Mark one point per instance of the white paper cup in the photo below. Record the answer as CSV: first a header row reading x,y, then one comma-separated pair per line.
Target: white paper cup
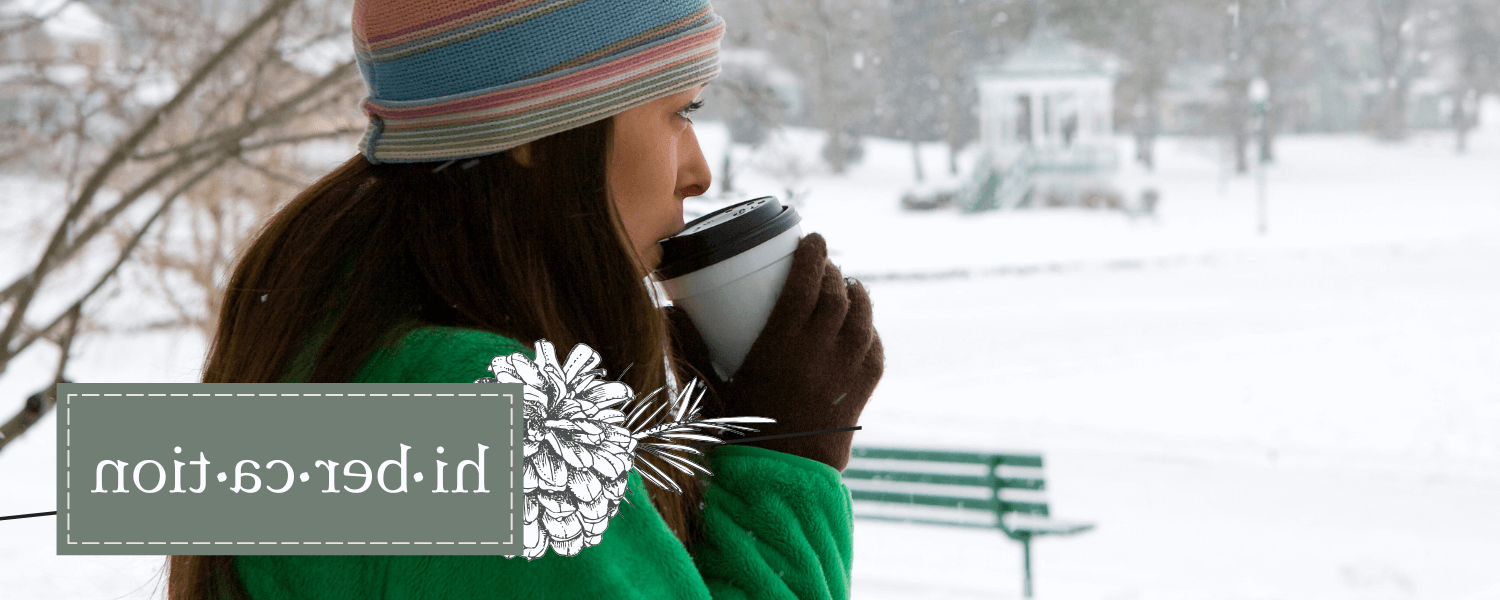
x,y
726,270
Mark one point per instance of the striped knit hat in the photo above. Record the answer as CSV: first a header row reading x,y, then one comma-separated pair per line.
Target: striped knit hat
x,y
452,79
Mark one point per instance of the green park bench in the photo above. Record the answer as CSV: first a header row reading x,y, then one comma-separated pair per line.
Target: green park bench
x,y
956,488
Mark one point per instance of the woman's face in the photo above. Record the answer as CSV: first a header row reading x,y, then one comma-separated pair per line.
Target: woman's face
x,y
655,163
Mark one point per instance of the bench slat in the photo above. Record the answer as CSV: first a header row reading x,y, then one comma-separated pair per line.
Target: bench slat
x,y
927,521
1016,483
1017,460
1030,508
1052,528
923,499
911,477
1020,460
1022,483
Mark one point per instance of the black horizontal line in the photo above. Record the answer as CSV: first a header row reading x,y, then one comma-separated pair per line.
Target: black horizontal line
x,y
41,514
774,437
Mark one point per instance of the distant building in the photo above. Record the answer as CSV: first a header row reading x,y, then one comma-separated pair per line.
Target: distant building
x,y
1051,92
1046,122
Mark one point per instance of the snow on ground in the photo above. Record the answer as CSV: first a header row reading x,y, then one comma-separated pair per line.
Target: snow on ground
x,y
1310,414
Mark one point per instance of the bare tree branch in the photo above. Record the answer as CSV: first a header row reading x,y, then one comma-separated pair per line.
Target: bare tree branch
x,y
116,157
183,315
268,173
26,286
266,58
271,116
227,140
161,325
100,222
129,246
38,404
230,92
302,138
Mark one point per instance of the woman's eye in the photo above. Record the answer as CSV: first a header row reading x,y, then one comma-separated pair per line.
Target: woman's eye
x,y
697,104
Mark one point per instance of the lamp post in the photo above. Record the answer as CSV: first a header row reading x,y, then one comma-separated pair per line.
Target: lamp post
x,y
1259,94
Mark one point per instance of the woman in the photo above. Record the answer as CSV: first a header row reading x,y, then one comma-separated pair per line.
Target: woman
x,y
507,192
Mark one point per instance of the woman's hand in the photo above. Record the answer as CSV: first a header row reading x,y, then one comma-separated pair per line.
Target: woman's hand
x,y
813,367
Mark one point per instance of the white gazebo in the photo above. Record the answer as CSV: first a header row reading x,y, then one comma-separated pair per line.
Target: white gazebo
x,y
1050,92
1046,118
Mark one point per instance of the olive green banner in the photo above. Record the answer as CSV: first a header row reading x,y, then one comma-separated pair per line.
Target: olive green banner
x,y
289,468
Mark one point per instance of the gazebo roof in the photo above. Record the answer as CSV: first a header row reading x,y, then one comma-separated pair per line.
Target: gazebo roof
x,y
1047,53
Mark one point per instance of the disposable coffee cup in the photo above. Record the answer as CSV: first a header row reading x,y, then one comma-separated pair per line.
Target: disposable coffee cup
x,y
726,270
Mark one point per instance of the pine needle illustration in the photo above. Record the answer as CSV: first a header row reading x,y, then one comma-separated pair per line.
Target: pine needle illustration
x,y
684,424
580,447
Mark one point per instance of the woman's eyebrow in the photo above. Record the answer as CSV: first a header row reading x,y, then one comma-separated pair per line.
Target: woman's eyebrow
x,y
696,98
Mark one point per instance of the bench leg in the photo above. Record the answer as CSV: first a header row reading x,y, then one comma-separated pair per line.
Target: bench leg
x,y
1026,554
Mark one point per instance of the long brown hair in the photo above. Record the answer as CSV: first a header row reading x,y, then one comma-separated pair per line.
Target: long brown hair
x,y
369,251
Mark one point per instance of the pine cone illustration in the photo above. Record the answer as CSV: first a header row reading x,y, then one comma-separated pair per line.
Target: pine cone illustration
x,y
579,448
577,455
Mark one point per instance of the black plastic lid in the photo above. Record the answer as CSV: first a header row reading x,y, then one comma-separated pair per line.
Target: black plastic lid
x,y
724,233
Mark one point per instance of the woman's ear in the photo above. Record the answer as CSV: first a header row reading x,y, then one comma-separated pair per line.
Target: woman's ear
x,y
521,154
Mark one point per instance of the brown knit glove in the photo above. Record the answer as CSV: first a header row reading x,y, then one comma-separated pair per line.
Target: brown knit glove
x,y
813,367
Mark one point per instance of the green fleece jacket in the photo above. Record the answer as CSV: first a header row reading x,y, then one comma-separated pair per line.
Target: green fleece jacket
x,y
776,526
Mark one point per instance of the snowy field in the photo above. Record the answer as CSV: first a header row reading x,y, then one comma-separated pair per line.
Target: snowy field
x,y
1312,414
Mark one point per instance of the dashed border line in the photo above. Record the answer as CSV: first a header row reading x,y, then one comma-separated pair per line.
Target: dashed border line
x,y
68,472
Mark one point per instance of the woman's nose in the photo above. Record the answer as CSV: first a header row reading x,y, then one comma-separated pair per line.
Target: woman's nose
x,y
694,177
